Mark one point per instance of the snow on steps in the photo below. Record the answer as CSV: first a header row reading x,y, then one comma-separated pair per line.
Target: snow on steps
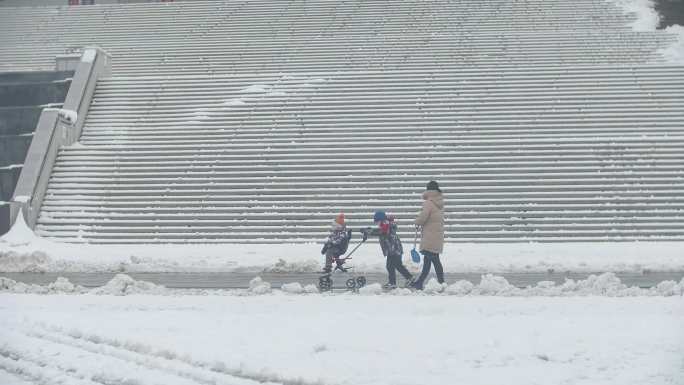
x,y
507,104
552,155
308,35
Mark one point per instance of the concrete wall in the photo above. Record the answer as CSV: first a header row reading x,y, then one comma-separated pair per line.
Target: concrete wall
x,y
8,179
23,95
4,216
55,130
31,94
17,120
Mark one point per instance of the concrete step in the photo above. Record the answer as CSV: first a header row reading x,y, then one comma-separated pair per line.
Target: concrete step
x,y
257,121
324,222
350,191
221,235
148,37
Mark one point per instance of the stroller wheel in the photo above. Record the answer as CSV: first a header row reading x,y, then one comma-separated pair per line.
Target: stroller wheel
x,y
325,283
351,283
360,281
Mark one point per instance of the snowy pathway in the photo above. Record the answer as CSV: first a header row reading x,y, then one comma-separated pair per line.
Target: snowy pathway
x,y
340,339
237,280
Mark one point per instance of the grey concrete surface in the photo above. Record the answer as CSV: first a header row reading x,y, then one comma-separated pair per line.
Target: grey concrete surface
x,y
8,179
231,280
17,120
4,218
54,131
29,94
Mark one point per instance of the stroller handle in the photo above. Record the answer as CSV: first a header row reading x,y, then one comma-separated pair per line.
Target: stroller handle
x,y
354,249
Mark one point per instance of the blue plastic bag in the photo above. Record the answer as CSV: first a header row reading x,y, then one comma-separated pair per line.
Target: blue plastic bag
x,y
415,255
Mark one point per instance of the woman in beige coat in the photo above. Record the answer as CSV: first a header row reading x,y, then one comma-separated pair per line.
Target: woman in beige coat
x,y
431,222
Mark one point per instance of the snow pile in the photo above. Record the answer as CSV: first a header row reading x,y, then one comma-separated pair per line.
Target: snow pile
x,y
60,286
297,288
20,234
670,288
605,285
30,262
372,289
493,285
461,287
545,288
259,286
675,52
647,18
434,287
283,266
123,284
69,115
12,286
402,291
293,288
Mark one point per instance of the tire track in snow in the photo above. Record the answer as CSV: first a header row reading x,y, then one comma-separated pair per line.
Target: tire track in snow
x,y
37,371
163,359
83,366
13,378
141,362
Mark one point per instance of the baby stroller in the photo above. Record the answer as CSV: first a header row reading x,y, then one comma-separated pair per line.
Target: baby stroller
x,y
325,282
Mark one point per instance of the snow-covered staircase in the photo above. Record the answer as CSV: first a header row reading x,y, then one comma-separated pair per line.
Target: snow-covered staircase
x,y
561,154
258,121
247,36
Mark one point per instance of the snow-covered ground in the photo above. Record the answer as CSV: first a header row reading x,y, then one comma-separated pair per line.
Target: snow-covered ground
x,y
340,339
606,284
45,256
21,251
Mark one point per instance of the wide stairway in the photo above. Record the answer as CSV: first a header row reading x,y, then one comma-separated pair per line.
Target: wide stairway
x,y
257,121
248,36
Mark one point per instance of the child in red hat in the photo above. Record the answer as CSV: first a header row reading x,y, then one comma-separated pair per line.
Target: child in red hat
x,y
337,243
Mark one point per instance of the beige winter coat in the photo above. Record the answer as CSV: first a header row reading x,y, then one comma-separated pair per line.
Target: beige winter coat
x,y
431,218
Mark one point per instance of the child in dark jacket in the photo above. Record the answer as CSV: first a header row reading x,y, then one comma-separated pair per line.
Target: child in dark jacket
x,y
337,242
390,243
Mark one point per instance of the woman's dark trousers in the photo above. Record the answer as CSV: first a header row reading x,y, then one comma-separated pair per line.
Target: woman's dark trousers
x,y
430,258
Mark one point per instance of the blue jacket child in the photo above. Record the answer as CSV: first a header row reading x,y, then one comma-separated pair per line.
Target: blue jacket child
x,y
391,247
